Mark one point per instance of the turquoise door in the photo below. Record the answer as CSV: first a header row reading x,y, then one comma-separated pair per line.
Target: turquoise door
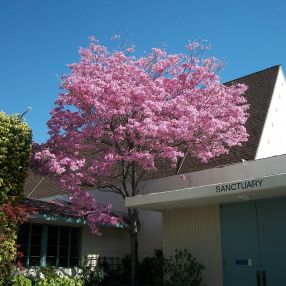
x,y
254,243
272,239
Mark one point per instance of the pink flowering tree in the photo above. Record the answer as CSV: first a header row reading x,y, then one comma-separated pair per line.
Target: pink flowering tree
x,y
118,114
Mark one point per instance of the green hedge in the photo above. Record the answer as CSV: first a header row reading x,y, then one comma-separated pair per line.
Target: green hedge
x,y
21,280
15,149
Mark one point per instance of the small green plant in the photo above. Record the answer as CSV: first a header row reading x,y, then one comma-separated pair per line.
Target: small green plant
x,y
151,269
183,269
21,280
48,272
60,281
46,276
91,275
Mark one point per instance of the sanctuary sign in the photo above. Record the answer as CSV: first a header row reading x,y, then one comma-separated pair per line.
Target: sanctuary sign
x,y
238,186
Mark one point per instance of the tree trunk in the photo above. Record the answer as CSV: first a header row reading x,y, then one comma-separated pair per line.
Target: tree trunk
x,y
133,215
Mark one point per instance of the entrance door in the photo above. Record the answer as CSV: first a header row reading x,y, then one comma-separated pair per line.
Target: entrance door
x,y
254,243
272,239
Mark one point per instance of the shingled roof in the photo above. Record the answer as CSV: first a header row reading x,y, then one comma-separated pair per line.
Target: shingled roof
x,y
38,187
259,93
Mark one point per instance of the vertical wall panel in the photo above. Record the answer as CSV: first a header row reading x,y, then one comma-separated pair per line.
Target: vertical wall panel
x,y
198,230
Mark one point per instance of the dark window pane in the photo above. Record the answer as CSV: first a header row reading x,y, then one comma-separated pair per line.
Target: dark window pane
x,y
64,240
64,251
51,261
35,250
64,231
63,261
74,251
34,261
75,232
36,229
74,261
36,239
74,240
53,232
52,251
52,240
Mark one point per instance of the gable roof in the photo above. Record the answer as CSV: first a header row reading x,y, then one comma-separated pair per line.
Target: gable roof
x,y
37,187
259,93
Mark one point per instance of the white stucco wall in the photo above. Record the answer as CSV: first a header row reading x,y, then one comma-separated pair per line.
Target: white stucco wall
x,y
151,235
273,139
112,243
151,223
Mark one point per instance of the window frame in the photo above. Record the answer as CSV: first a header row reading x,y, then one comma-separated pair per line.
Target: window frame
x,y
44,246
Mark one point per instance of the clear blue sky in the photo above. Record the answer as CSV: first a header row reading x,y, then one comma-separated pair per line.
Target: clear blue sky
x,y
38,38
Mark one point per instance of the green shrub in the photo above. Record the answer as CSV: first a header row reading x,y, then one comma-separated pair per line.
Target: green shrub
x,y
183,269
91,275
48,276
60,281
48,272
21,280
15,148
120,275
151,270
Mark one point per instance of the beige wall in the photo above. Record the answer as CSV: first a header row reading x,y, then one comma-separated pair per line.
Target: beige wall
x,y
198,230
112,243
150,235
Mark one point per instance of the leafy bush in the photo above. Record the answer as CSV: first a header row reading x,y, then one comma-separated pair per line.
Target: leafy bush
x,y
125,269
46,276
60,281
21,280
183,269
151,269
15,148
91,275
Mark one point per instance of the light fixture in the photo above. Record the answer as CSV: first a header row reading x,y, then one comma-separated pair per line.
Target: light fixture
x,y
244,197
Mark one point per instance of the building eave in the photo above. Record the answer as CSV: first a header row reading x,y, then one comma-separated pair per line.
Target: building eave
x,y
267,179
271,186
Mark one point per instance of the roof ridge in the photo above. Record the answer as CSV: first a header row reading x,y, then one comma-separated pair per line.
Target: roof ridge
x,y
253,73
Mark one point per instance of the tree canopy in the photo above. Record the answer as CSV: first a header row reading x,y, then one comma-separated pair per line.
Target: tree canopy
x,y
117,111
118,114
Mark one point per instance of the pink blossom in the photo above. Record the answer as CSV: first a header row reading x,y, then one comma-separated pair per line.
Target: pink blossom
x,y
118,113
130,50
115,37
192,46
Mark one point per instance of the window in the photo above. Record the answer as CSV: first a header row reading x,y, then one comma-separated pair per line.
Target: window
x,y
29,239
51,245
62,246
